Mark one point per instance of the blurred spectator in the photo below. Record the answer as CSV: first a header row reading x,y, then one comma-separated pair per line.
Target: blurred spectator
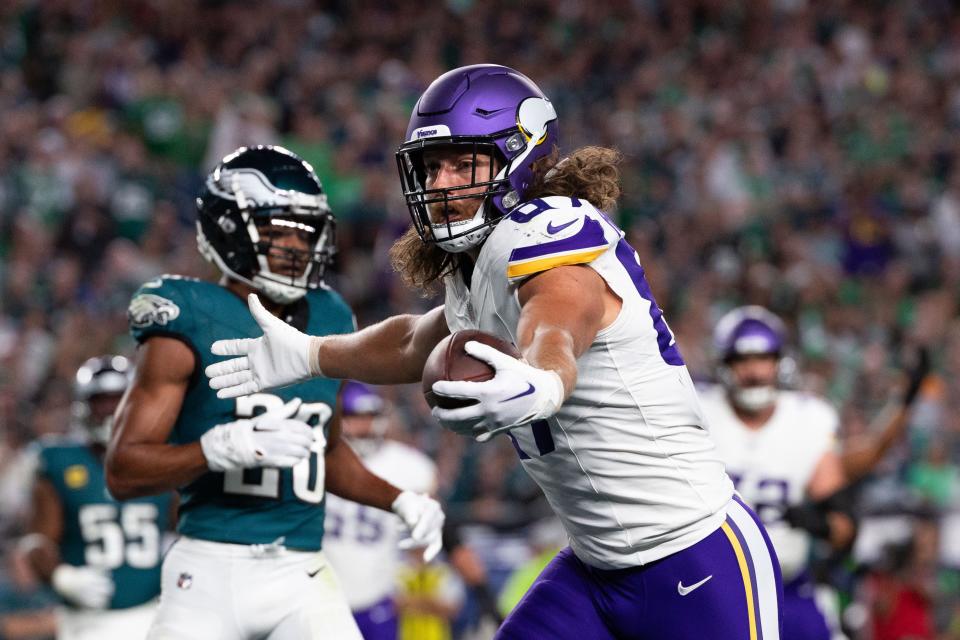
x,y
429,598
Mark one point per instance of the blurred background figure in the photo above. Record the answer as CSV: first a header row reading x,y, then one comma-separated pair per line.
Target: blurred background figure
x,y
779,449
428,600
100,556
361,542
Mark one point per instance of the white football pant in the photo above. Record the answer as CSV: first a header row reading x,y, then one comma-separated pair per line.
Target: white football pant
x,y
219,591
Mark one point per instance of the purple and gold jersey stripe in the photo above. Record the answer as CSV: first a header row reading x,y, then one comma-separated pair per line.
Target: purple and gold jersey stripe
x,y
580,248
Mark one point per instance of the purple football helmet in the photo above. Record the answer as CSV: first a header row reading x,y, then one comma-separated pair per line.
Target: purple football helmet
x,y
750,330
358,399
488,109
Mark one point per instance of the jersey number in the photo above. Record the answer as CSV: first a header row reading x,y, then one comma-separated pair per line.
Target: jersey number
x,y
769,497
368,524
133,538
307,474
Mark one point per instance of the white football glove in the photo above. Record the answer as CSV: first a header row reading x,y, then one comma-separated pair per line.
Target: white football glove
x,y
516,395
424,517
86,587
272,439
281,356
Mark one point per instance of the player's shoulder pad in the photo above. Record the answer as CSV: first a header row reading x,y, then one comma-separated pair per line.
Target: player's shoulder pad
x,y
550,232
50,449
420,471
162,306
818,413
333,308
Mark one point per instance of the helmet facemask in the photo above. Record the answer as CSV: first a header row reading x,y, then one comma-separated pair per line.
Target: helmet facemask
x,y
98,387
751,398
485,109
245,219
486,183
750,332
299,269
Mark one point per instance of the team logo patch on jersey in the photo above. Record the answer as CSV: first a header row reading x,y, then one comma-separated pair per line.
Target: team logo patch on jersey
x,y
76,476
147,309
185,581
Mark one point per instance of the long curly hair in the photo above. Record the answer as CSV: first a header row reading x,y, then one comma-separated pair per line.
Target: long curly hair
x,y
589,173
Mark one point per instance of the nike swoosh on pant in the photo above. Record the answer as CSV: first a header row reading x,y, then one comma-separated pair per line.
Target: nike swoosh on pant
x,y
686,590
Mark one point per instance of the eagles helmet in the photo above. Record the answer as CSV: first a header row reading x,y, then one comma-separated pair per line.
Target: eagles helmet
x,y
251,188
749,331
97,388
486,109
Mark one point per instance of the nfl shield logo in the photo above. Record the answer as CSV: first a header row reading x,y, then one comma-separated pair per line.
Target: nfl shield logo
x,y
185,580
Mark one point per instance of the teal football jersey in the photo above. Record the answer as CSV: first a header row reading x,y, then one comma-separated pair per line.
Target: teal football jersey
x,y
122,537
251,506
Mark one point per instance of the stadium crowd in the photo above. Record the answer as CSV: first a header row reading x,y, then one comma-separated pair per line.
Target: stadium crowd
x,y
798,154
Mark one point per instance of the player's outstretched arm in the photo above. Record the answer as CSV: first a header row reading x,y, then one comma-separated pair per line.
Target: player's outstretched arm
x,y
562,311
390,352
84,586
348,478
863,457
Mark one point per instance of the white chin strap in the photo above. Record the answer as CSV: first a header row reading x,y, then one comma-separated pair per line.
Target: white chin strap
x,y
277,291
473,230
754,399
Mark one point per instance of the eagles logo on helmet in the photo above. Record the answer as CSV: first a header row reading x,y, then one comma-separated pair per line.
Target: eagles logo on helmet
x,y
98,386
486,109
251,189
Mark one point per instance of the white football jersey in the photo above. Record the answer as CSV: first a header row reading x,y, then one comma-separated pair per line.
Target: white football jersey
x,y
360,541
772,466
626,463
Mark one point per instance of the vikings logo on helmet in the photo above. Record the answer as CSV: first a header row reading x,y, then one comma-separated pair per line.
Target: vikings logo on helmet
x,y
147,309
486,109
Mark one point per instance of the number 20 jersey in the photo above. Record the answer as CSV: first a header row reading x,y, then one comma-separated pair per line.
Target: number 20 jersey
x,y
626,462
250,506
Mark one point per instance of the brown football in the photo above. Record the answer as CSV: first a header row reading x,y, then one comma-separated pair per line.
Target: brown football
x,y
449,361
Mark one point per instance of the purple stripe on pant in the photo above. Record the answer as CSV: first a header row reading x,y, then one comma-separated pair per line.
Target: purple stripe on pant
x,y
379,621
696,593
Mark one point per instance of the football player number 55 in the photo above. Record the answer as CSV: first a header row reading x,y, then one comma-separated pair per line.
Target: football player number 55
x,y
307,474
132,538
